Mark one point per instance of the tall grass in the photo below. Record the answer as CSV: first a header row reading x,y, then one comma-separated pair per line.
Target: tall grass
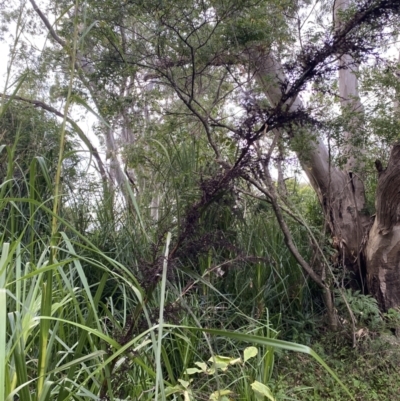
x,y
75,322
88,354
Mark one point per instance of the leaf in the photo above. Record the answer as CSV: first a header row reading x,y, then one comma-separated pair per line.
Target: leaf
x,y
222,362
250,352
4,106
220,395
202,365
192,371
78,100
87,30
3,340
220,359
184,383
261,391
172,390
135,205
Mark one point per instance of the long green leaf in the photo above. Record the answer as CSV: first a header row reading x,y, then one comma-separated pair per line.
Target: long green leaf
x,y
3,341
159,382
4,106
284,345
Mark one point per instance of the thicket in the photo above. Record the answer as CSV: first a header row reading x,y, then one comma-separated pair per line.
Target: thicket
x,y
96,304
167,275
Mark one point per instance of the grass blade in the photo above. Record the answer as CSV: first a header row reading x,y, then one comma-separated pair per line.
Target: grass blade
x,y
3,343
284,345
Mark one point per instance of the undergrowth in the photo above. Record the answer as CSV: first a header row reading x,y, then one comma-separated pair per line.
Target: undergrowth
x,y
370,369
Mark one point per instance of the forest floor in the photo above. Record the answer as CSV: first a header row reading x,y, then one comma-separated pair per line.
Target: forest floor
x,y
370,370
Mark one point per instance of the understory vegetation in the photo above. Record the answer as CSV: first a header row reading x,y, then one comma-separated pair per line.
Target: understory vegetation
x,y
94,304
226,239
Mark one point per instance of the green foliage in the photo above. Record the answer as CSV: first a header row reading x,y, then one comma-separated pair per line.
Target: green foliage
x,y
253,24
90,331
221,364
125,295
392,321
364,307
370,369
30,155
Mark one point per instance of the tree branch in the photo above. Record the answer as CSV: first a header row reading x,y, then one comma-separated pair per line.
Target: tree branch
x,y
47,23
81,134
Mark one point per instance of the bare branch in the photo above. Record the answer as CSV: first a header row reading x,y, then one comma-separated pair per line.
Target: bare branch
x,y
76,127
47,23
271,194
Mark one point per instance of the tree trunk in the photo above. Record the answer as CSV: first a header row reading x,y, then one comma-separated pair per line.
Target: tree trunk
x,y
383,245
341,192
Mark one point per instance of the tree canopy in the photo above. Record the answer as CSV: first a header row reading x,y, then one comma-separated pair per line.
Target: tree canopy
x,y
227,129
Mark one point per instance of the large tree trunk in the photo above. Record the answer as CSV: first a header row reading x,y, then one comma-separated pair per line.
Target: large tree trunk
x,y
376,256
383,246
341,192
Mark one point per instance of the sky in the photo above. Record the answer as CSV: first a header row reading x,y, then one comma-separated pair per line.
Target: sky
x,y
87,120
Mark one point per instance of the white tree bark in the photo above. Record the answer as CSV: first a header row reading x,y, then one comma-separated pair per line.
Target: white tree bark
x,y
342,203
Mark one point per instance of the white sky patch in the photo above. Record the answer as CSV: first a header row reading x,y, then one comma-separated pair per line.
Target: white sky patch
x,y
87,120
84,119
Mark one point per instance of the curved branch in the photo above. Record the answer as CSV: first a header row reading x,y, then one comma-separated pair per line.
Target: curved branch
x,y
47,23
81,134
270,193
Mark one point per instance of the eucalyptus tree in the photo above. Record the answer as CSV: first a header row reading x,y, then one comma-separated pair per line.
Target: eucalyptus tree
x,y
235,71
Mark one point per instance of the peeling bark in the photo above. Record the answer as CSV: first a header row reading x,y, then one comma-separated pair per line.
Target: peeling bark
x,y
383,246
